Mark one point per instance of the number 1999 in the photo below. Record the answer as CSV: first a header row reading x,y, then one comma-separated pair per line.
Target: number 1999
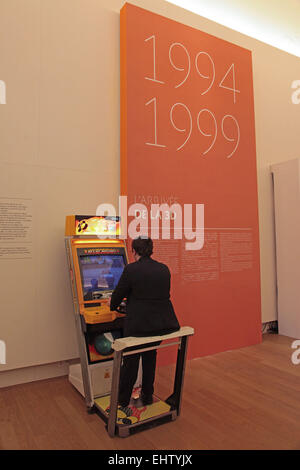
x,y
211,133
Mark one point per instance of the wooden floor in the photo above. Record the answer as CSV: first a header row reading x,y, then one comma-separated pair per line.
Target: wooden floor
x,y
243,399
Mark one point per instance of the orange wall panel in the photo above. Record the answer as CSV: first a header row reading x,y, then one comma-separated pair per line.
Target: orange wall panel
x,y
188,136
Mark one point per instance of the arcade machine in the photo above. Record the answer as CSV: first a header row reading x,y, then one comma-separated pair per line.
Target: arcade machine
x,y
96,259
95,266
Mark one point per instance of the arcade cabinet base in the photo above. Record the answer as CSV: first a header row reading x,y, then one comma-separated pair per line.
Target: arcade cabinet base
x,y
136,416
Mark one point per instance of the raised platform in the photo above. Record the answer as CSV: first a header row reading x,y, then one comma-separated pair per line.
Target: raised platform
x,y
136,414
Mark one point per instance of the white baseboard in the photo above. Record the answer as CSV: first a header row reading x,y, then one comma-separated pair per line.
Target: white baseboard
x,y
34,373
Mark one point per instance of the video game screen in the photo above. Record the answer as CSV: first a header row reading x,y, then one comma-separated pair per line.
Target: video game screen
x,y
100,273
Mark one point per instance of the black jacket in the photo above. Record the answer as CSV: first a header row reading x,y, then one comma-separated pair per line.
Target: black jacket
x,y
146,285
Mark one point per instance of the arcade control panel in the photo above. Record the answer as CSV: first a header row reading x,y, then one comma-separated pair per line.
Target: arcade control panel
x,y
99,312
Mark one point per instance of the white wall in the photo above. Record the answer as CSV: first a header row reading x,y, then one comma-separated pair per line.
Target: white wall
x,y
59,146
287,223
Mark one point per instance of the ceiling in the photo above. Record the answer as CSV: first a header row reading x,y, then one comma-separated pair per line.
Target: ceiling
x,y
275,22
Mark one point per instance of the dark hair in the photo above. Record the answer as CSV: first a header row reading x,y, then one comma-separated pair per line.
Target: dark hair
x,y
142,246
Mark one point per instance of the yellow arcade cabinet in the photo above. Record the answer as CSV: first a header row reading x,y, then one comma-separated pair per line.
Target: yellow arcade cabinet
x,y
95,266
96,259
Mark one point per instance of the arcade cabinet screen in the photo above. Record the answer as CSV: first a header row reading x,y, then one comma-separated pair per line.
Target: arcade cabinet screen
x,y
100,273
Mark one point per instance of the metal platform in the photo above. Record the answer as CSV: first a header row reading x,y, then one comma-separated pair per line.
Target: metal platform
x,y
136,416
124,423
